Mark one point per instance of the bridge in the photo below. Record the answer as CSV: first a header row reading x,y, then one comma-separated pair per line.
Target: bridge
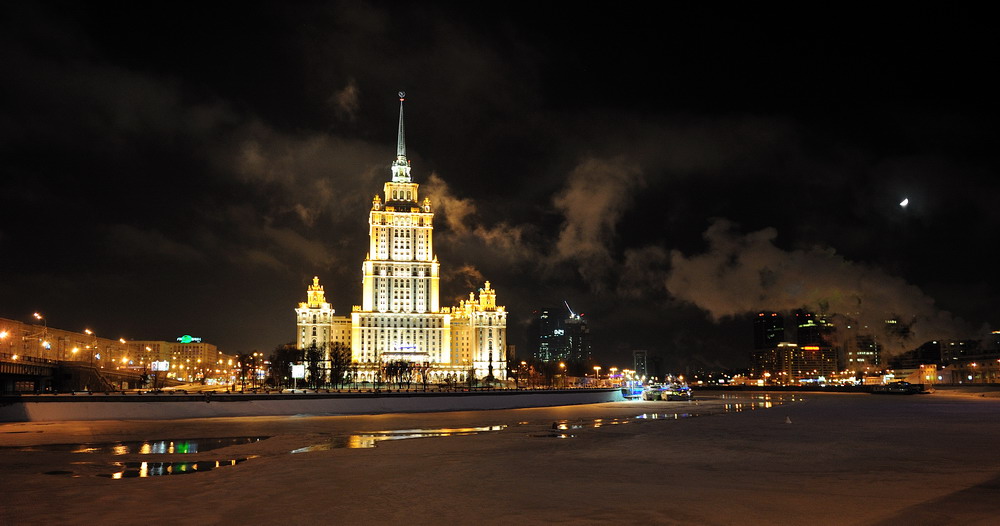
x,y
30,374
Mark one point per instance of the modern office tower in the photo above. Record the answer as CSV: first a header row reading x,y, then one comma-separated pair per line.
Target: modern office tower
x,y
640,363
768,330
560,336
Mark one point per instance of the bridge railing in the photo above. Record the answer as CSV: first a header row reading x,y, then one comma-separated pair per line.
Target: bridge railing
x,y
9,357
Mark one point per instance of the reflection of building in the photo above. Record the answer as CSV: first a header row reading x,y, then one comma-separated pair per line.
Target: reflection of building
x,y
559,337
400,317
788,363
768,330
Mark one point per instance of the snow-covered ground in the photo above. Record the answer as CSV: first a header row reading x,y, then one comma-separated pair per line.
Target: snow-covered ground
x,y
821,459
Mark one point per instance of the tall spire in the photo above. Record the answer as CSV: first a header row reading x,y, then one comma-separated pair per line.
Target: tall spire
x,y
401,137
401,166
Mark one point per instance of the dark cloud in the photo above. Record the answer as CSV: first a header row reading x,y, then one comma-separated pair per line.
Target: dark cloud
x,y
209,166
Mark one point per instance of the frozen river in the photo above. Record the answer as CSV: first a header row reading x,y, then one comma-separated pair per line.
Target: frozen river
x,y
753,459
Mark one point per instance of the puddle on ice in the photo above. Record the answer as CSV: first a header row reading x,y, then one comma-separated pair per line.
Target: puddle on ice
x,y
370,439
130,470
149,447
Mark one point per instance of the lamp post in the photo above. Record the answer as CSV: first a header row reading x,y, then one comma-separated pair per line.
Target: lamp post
x,y
597,373
45,329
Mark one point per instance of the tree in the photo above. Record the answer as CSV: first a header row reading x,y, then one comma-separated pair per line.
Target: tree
x,y
282,359
313,358
244,361
340,363
516,370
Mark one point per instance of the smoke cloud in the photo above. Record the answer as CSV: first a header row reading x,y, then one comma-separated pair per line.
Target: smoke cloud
x,y
592,203
741,274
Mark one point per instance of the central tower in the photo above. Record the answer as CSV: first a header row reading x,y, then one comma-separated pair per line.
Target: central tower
x,y
400,317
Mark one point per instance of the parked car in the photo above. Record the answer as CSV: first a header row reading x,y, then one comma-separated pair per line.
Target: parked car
x,y
677,392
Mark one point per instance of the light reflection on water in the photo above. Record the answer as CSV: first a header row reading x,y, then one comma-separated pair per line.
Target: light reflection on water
x,y
149,447
131,470
370,439
745,403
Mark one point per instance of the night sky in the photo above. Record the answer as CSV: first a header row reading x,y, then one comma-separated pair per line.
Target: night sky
x,y
169,170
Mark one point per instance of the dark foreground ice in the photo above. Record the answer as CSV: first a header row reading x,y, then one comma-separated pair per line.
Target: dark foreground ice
x,y
783,459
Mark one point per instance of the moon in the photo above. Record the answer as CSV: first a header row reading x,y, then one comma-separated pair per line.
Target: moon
x,y
904,202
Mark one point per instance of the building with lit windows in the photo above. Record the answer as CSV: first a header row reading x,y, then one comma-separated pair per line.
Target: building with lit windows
x,y
768,330
559,336
317,323
790,364
400,317
189,359
479,334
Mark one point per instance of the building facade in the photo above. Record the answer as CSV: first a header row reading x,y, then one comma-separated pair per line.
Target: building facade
x,y
189,359
768,330
400,317
560,337
479,334
791,364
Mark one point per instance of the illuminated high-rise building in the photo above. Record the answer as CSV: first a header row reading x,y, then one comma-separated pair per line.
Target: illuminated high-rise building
x,y
560,337
400,317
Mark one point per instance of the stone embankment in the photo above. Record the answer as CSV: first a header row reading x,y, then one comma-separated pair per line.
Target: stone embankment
x,y
162,406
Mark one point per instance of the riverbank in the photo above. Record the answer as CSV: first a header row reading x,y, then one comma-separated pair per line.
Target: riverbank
x,y
136,406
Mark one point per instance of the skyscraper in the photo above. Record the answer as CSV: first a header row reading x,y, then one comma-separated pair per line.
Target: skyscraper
x,y
768,330
560,337
400,317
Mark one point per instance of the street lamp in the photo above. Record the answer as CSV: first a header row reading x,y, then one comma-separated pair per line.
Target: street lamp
x,y
45,330
93,345
597,373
